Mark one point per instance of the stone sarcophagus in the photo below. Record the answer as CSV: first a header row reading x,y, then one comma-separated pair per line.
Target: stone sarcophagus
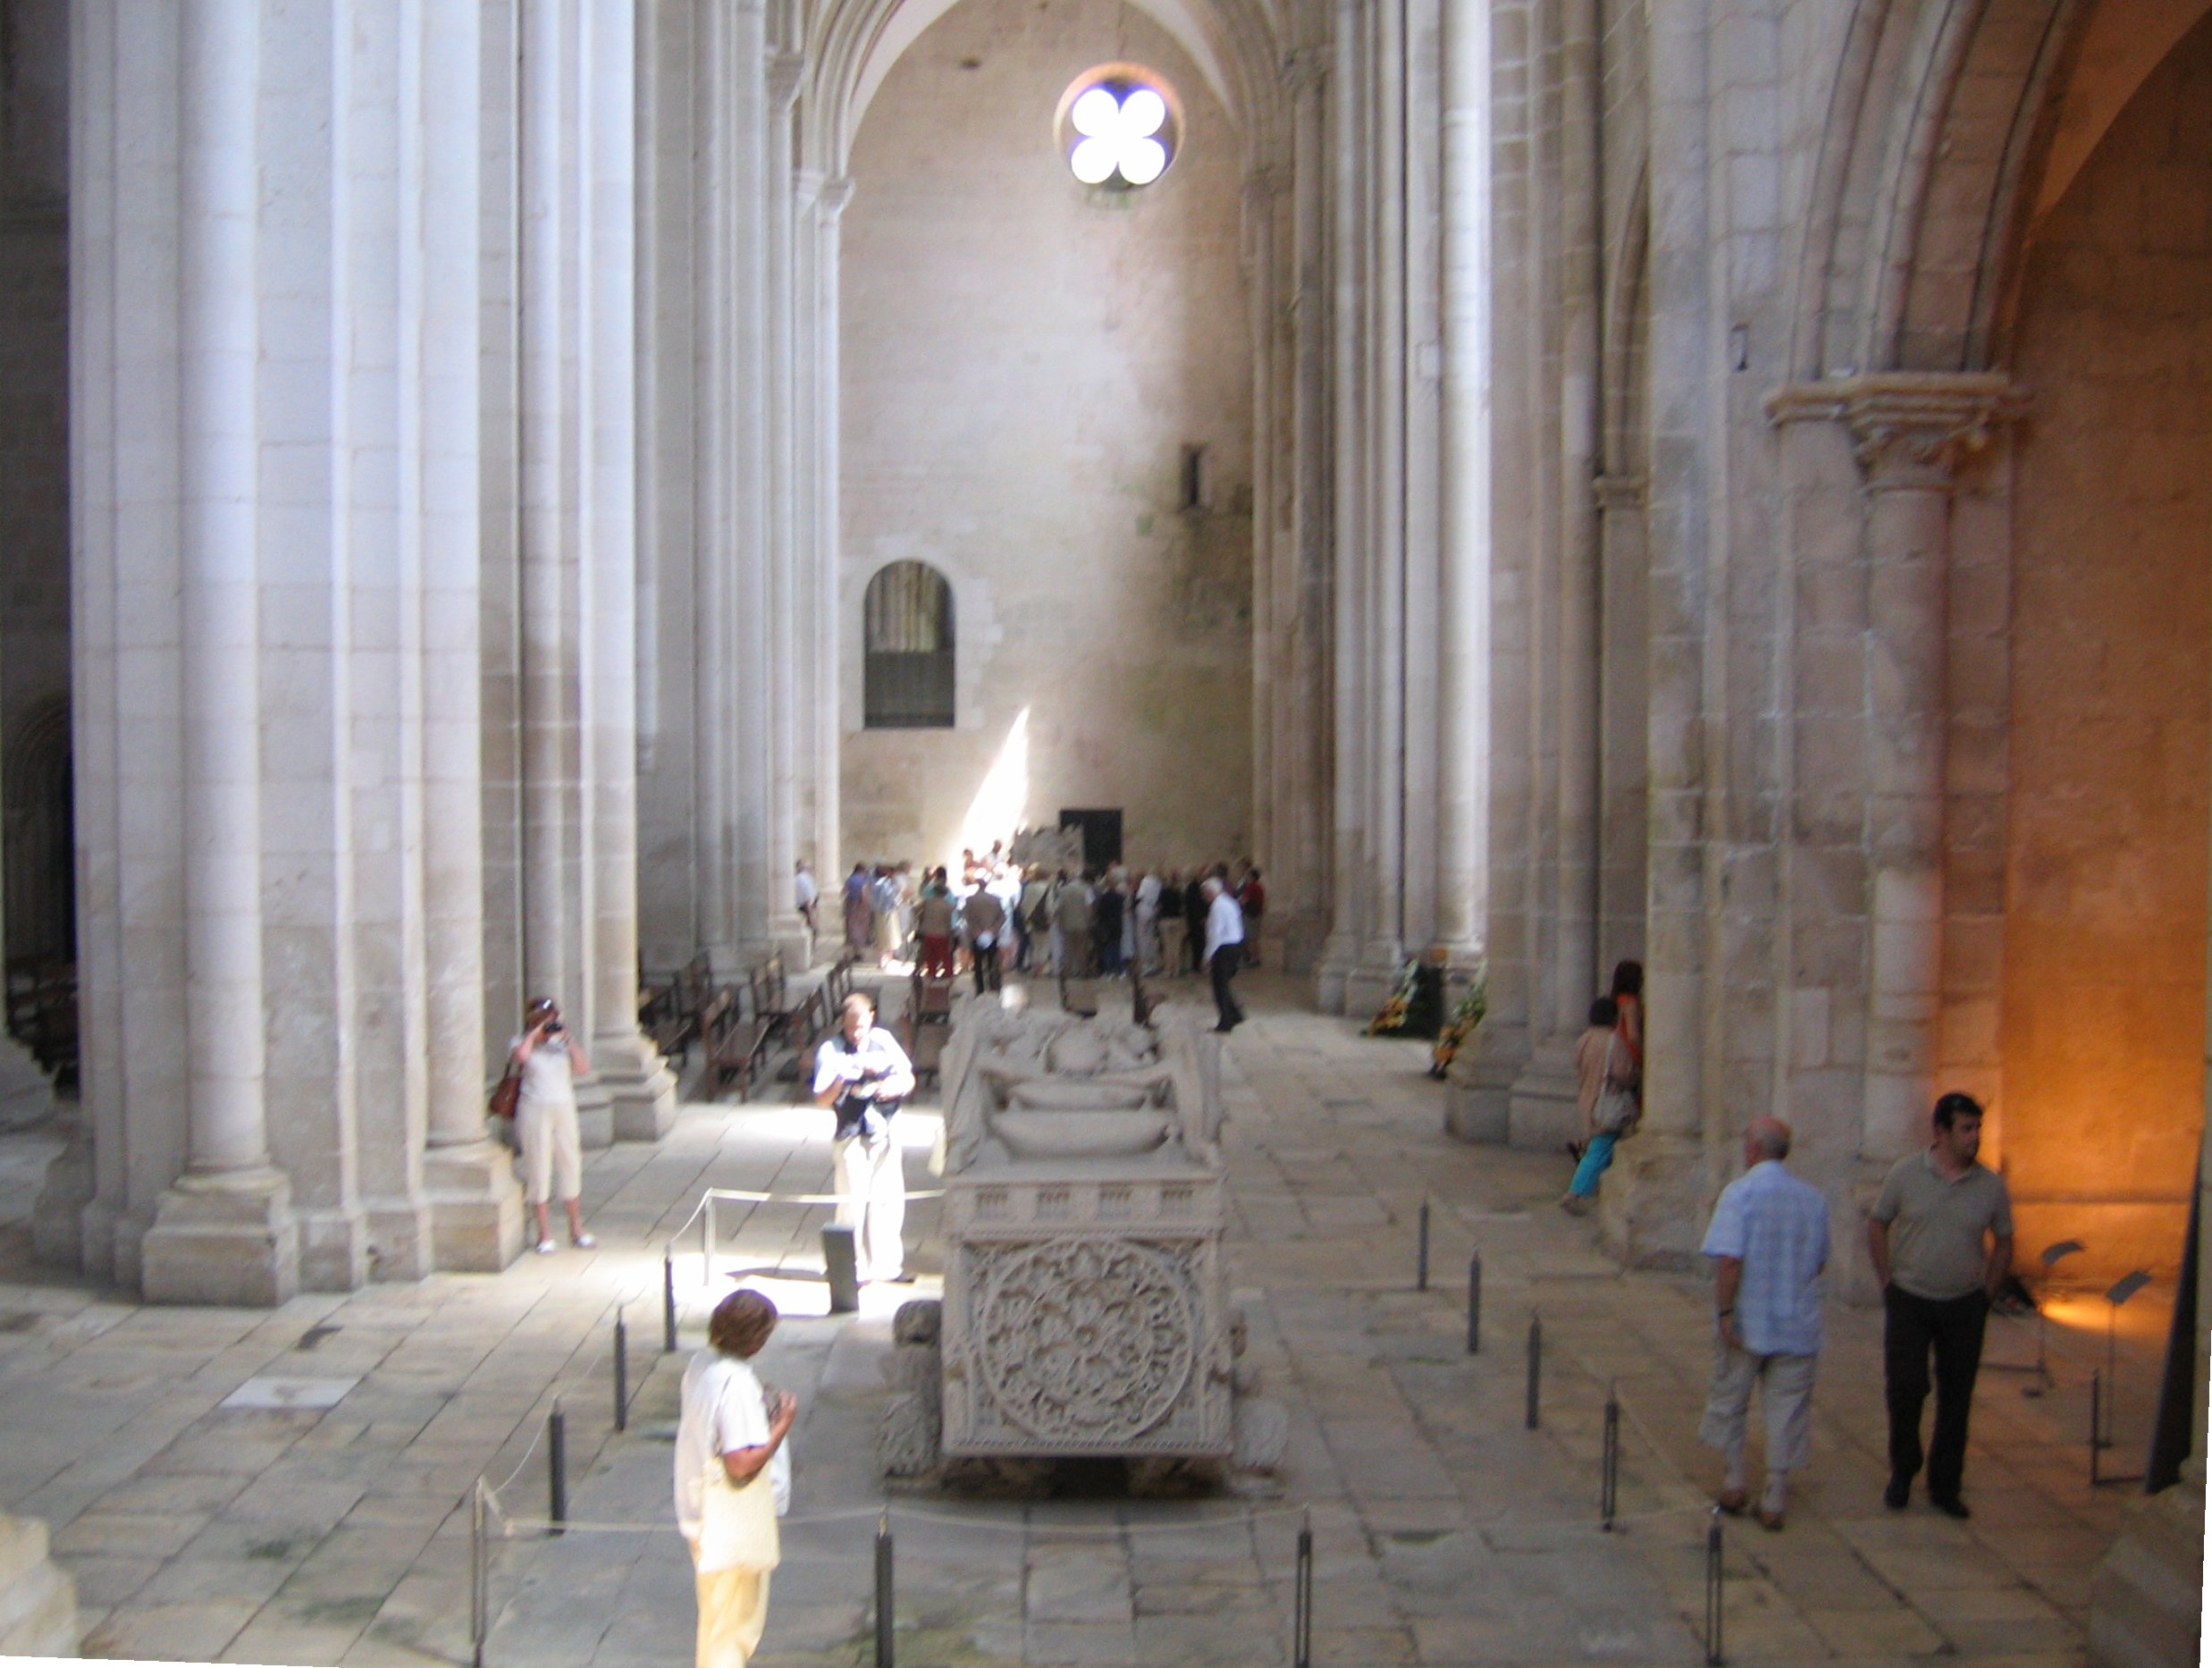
x,y
1086,1301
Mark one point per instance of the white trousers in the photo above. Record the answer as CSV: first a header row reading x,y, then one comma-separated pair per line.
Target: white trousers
x,y
553,1150
872,1201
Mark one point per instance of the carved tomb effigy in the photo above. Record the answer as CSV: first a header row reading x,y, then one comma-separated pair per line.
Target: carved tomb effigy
x,y
1086,1302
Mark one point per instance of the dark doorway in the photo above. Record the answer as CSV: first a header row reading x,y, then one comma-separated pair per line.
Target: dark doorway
x,y
1102,835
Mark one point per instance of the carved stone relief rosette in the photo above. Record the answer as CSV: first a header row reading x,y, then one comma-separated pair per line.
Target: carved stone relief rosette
x,y
1085,1341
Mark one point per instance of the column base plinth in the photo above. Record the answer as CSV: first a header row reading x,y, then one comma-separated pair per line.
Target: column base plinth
x,y
475,1207
1542,1112
226,1239
594,1113
1653,1205
335,1253
1301,935
1479,1093
398,1238
37,1602
639,1087
57,1218
2146,1598
793,941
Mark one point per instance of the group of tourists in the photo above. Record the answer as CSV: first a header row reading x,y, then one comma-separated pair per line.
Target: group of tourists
x,y
1002,917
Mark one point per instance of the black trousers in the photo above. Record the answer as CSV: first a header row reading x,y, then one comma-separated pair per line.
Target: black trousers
x,y
1224,968
1950,1329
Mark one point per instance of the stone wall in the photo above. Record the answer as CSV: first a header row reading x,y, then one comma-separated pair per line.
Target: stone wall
x,y
2104,968
1024,361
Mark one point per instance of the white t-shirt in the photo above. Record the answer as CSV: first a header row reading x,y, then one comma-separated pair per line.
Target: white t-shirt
x,y
546,1077
803,884
725,1408
1224,923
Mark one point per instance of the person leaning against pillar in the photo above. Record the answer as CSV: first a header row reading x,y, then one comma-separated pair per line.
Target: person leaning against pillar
x,y
731,1431
1941,1238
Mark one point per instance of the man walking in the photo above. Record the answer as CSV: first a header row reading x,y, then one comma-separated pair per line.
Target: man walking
x,y
1769,1243
1224,949
1941,1238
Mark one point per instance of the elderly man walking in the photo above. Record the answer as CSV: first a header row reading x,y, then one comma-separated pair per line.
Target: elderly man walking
x,y
1941,1238
1769,1244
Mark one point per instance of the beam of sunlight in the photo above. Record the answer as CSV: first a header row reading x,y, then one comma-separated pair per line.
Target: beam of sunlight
x,y
1001,804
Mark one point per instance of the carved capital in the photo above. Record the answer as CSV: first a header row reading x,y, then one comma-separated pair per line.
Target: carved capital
x,y
830,196
785,70
1910,430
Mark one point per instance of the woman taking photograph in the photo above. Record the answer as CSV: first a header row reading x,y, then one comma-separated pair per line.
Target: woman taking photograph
x,y
549,1061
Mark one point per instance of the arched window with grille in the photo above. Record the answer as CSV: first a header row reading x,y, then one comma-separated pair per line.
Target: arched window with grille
x,y
907,637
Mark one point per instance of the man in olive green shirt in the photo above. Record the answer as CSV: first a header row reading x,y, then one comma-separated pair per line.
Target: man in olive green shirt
x,y
1941,1238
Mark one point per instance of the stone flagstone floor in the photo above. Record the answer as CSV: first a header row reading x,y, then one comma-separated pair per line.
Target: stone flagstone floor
x,y
1446,1532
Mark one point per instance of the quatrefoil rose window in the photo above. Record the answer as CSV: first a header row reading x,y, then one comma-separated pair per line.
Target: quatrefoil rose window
x,y
1119,127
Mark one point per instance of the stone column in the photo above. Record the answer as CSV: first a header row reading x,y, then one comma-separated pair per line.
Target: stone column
x,y
1564,974
557,952
223,1231
1912,430
1303,759
638,1085
1369,372
1575,975
789,694
1463,730
474,1203
830,196
1622,768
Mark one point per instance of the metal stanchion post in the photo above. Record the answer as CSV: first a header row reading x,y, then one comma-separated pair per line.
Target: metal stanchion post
x,y
557,1466
2097,1422
706,1249
667,1303
476,1576
1302,1597
1608,1490
1420,1255
1715,1593
621,1371
1535,1370
1475,1304
885,1594
841,1267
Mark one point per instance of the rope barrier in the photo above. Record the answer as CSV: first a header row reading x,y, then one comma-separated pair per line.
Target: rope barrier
x,y
749,1197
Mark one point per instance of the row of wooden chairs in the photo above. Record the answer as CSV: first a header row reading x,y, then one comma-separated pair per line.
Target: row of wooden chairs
x,y
42,1014
739,1026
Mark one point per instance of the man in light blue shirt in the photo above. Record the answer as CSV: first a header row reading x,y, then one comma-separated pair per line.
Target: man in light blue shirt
x,y
1769,1243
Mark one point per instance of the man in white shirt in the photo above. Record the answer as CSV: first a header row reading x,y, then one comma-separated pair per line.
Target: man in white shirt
x,y
805,893
1148,913
1224,949
863,1073
728,1422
